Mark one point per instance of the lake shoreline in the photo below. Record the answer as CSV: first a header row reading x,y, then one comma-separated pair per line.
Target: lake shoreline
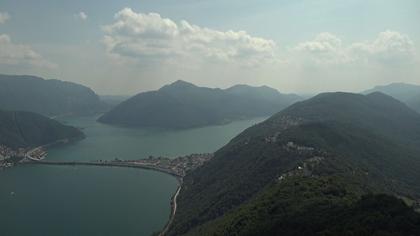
x,y
138,197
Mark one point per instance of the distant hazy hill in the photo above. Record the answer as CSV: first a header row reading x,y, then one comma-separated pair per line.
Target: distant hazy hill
x,y
414,103
113,100
407,93
47,97
27,129
310,170
184,105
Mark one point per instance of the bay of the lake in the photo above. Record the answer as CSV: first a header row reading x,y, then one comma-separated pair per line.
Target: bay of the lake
x,y
87,201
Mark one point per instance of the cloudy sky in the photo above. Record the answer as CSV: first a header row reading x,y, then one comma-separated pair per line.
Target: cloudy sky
x,y
125,47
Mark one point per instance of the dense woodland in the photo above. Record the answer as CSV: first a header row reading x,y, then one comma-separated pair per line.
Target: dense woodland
x,y
370,144
316,206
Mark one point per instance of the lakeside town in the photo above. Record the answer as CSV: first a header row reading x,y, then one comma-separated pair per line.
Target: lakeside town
x,y
178,166
10,157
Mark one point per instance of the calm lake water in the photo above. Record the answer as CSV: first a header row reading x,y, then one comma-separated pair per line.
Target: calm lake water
x,y
87,201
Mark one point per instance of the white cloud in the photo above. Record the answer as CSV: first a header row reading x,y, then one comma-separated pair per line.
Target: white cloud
x,y
19,54
4,16
388,47
149,38
81,16
323,43
141,36
326,48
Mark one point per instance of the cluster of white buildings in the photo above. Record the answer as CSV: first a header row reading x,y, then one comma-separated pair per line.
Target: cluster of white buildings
x,y
294,146
179,165
7,153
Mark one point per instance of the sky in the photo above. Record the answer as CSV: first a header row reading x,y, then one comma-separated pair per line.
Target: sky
x,y
124,47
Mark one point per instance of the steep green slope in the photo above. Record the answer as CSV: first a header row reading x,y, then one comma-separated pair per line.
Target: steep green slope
x,y
315,206
184,105
373,141
407,93
47,97
26,129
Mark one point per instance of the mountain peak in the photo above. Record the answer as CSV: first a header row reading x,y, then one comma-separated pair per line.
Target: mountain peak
x,y
246,86
341,98
373,134
395,89
179,84
407,93
182,83
185,105
49,97
20,77
378,94
398,85
253,90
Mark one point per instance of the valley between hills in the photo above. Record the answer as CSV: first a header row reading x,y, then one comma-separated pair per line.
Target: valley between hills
x,y
334,164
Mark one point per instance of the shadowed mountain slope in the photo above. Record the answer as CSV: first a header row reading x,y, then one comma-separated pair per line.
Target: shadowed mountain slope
x,y
184,105
47,97
407,93
27,129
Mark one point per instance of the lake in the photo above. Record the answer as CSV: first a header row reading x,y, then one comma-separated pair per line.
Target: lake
x,y
65,200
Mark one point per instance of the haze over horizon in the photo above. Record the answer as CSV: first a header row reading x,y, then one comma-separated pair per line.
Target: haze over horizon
x,y
199,118
128,46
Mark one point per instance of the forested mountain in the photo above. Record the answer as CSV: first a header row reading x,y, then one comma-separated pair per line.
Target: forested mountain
x,y
184,105
315,168
407,93
47,97
27,129
315,206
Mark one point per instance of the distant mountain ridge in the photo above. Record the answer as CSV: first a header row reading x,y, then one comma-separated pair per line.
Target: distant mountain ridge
x,y
407,93
184,105
27,129
47,97
305,170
